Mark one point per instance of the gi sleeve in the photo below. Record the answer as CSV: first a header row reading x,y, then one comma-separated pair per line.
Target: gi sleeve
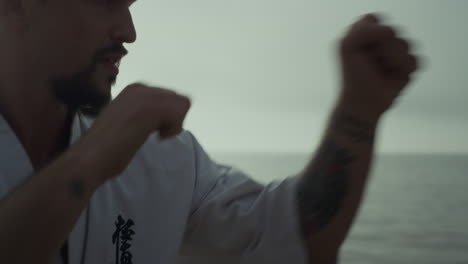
x,y
233,215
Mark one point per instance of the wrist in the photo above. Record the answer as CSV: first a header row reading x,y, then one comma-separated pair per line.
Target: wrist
x,y
89,162
76,171
352,126
358,111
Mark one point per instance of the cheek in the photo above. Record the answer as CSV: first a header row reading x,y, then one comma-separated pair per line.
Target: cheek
x,y
75,38
88,39
78,39
79,47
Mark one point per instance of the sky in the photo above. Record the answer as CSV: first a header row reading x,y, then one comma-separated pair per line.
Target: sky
x,y
263,74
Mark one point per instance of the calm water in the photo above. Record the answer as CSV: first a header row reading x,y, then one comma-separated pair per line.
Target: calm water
x,y
415,209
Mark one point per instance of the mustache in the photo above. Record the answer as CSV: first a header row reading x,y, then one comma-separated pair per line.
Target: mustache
x,y
114,49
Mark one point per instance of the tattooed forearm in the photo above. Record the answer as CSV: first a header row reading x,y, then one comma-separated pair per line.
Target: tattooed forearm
x,y
342,158
357,130
330,188
323,186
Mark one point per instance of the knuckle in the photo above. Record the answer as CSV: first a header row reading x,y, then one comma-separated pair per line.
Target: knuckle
x,y
186,101
136,85
372,18
166,90
388,31
182,101
402,44
134,89
414,62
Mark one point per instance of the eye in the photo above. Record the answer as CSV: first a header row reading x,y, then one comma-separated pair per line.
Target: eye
x,y
113,3
105,2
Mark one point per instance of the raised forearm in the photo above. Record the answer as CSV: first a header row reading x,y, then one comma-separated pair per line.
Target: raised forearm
x,y
376,65
37,216
332,184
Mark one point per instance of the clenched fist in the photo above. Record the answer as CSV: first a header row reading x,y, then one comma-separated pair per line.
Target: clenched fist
x,y
125,124
376,66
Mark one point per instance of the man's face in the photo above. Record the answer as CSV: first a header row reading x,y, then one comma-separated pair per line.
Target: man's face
x,y
65,41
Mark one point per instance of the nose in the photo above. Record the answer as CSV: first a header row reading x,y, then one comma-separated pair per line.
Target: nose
x,y
124,29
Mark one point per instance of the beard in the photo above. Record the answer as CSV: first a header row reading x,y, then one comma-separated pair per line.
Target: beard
x,y
80,92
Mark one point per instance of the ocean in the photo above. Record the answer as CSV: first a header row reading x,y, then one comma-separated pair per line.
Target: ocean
x,y
415,209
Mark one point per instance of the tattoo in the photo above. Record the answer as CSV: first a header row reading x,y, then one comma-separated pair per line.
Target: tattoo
x,y
77,188
357,130
322,189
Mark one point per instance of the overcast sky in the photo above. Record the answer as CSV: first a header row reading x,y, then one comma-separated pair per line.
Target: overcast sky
x,y
263,75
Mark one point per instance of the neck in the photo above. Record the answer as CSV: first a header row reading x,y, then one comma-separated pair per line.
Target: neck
x,y
41,124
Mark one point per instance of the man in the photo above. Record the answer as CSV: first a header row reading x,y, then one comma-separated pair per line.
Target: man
x,y
87,180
